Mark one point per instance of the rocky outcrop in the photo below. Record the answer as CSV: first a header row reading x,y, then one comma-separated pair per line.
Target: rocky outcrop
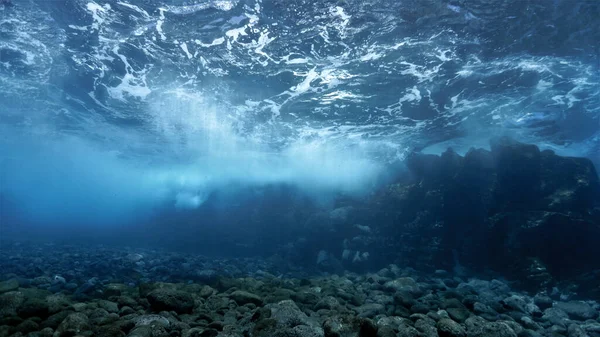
x,y
529,214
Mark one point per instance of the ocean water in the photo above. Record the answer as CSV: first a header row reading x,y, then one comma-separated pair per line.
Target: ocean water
x,y
371,168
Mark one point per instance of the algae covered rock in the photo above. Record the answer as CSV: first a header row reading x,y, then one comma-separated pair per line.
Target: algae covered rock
x,y
75,324
244,297
9,285
171,299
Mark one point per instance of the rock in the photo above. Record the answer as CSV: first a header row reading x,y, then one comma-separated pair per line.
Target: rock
x,y
427,327
287,314
207,276
328,302
150,320
404,284
27,326
515,302
575,330
493,329
304,331
367,328
171,299
529,333
9,285
286,319
79,307
134,257
57,302
243,297
141,331
114,289
528,323
108,306
386,331
370,310
458,314
555,316
35,304
54,320
449,328
577,310
46,332
109,331
207,291
542,301
10,302
485,311
74,324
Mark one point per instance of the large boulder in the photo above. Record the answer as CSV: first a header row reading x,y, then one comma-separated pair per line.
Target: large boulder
x,y
171,299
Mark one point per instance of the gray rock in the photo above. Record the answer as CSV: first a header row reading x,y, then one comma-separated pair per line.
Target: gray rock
x,y
243,297
27,326
370,310
493,329
407,331
141,331
386,331
57,302
593,328
171,299
46,332
10,302
286,319
305,331
449,328
74,324
109,331
207,275
555,316
484,310
404,284
54,320
458,314
109,306
207,291
474,323
114,289
328,302
516,303
556,330
542,301
528,323
577,310
391,321
530,333
426,327
287,314
575,330
9,285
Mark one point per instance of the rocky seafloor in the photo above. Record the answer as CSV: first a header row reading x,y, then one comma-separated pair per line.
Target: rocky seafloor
x,y
60,290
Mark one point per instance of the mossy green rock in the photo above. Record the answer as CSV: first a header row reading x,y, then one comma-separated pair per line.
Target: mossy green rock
x,y
171,299
9,285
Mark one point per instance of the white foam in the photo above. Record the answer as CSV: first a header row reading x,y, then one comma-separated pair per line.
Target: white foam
x,y
184,47
98,13
159,24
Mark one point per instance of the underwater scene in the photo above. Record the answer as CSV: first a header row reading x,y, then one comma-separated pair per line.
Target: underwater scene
x,y
299,168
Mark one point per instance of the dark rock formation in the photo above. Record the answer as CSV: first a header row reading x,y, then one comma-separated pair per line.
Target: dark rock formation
x,y
529,214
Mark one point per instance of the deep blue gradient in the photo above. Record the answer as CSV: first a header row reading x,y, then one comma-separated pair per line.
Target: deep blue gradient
x,y
111,110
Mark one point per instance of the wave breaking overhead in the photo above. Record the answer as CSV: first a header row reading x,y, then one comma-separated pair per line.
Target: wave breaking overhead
x,y
153,102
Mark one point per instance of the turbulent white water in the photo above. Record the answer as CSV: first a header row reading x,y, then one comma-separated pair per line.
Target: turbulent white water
x,y
133,103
